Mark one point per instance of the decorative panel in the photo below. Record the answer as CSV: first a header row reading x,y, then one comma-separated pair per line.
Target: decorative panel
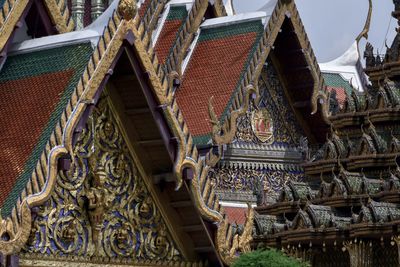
x,y
101,207
272,113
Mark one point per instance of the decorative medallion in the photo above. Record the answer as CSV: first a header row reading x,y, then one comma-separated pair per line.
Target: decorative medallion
x,y
262,125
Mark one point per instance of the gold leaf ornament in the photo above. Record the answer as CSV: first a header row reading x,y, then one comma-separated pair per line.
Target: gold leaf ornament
x,y
127,9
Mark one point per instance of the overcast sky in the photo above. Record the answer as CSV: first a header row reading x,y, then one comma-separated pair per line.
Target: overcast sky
x,y
332,25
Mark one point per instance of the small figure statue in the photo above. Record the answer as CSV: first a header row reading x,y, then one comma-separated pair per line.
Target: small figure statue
x,y
369,55
161,239
333,102
259,192
303,147
378,59
99,198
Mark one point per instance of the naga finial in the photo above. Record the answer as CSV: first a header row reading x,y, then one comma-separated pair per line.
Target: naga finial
x,y
211,112
364,32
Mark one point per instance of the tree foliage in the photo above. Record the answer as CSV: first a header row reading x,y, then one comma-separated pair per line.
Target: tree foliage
x,y
267,258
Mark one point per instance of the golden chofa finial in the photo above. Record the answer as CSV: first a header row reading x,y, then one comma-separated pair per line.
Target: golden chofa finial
x,y
127,9
364,32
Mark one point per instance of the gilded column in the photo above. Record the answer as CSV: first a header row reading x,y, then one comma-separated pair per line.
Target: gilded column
x,y
78,12
360,253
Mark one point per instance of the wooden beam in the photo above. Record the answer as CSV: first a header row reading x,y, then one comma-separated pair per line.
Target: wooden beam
x,y
295,51
296,69
151,142
303,86
137,111
181,204
126,78
301,104
192,228
203,249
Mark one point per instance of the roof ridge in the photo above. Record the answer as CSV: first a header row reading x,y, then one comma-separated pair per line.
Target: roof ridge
x,y
91,33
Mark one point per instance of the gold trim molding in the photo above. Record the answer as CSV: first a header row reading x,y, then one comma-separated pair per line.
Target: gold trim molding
x,y
39,260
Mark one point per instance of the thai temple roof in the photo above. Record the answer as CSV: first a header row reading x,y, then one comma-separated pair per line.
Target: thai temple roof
x,y
348,67
180,133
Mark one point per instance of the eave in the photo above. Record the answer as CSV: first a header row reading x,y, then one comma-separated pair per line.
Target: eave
x,y
354,162
352,119
327,237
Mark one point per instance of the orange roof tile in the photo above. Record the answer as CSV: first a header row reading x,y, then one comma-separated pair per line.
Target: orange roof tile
x,y
35,88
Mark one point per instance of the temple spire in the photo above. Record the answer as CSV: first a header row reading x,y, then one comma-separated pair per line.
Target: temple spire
x,y
78,13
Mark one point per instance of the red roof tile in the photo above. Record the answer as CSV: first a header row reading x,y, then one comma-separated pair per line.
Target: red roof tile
x,y
236,215
166,38
214,69
340,94
143,8
25,108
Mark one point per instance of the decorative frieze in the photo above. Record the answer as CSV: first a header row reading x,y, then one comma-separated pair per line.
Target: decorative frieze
x,y
248,179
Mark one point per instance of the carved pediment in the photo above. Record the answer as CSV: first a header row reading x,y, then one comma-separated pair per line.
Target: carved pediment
x,y
330,151
320,215
353,181
366,146
338,188
102,207
301,221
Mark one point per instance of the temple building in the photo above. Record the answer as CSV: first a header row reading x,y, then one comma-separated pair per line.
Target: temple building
x,y
181,133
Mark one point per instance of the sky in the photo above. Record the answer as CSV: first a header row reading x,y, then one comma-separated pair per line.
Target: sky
x,y
333,25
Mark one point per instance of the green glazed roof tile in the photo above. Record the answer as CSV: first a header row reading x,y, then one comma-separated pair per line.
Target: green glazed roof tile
x,y
177,12
336,80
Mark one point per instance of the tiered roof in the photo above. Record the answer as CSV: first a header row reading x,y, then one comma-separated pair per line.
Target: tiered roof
x,y
350,195
207,57
83,64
